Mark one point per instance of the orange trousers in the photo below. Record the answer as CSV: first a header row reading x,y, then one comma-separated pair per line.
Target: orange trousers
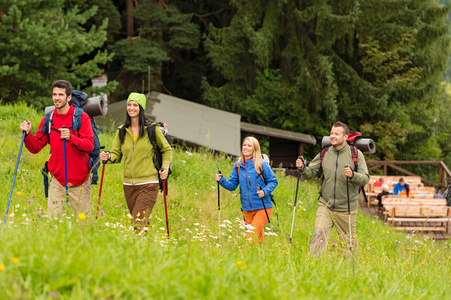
x,y
258,220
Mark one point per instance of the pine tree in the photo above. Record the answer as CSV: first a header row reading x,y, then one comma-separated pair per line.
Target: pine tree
x,y
41,42
162,35
300,65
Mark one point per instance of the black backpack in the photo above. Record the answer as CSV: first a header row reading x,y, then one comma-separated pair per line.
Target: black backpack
x,y
78,100
158,159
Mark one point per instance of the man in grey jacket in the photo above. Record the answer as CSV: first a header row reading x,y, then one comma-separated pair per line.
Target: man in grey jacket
x,y
340,189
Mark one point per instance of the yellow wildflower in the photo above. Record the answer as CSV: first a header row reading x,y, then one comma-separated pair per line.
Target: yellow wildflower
x,y
2,267
81,216
239,262
15,260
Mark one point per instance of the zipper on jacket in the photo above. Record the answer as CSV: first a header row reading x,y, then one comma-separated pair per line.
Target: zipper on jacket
x,y
335,180
248,189
133,159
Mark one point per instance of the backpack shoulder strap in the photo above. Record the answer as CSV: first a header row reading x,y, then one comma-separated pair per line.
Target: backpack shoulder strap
x,y
266,183
48,121
354,153
76,120
321,156
152,136
323,153
262,175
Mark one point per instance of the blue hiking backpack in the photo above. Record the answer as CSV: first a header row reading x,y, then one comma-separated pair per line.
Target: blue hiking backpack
x,y
78,100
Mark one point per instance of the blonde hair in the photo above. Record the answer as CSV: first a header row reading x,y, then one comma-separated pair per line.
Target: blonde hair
x,y
257,154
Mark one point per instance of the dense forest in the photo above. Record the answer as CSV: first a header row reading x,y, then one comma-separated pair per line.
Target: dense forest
x,y
380,66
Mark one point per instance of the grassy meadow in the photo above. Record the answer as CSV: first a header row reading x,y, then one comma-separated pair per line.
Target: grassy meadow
x,y
73,258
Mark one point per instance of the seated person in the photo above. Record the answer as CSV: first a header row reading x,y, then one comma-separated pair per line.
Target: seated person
x,y
385,191
401,188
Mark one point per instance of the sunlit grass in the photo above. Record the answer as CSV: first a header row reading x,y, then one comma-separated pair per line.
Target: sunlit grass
x,y
78,257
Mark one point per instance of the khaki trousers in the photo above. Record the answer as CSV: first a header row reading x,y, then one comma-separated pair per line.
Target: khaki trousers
x,y
326,219
79,198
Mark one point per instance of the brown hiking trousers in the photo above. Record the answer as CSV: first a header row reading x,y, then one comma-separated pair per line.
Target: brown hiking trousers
x,y
140,201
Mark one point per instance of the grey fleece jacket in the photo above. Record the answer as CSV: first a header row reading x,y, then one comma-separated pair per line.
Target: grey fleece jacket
x,y
333,190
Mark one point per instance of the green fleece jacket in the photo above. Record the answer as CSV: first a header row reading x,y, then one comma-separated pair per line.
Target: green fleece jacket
x,y
334,191
138,156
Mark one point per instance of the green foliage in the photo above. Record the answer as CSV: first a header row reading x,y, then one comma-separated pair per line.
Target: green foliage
x,y
106,11
163,34
294,65
388,135
73,258
367,63
41,42
138,54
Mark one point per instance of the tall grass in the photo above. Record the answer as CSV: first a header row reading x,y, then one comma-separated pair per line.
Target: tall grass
x,y
71,258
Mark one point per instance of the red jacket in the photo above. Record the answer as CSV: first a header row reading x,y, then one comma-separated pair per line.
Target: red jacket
x,y
78,146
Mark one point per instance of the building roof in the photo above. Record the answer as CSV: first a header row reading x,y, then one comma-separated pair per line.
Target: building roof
x,y
197,123
278,133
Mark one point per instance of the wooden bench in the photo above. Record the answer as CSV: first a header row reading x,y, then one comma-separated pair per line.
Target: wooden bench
x,y
370,187
421,214
417,188
395,179
372,198
389,201
414,196
425,190
374,183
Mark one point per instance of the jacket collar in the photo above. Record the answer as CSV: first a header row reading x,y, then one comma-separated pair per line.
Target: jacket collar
x,y
249,163
70,112
342,150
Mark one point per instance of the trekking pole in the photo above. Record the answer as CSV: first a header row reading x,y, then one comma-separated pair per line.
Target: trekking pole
x,y
14,179
65,173
295,201
219,210
349,211
100,189
165,204
349,220
266,212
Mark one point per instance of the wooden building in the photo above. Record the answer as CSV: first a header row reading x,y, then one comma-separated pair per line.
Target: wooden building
x,y
284,146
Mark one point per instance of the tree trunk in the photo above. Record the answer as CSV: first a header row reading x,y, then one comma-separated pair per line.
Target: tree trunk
x,y
130,27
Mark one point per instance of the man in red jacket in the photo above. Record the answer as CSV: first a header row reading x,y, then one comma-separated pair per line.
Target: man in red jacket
x,y
78,145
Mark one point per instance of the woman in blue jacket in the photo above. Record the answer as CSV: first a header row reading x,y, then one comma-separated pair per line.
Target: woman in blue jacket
x,y
249,171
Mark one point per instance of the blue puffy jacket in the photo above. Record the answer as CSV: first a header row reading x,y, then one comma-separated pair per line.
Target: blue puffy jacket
x,y
248,180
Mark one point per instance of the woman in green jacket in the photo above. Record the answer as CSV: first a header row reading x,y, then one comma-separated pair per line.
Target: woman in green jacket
x,y
140,178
